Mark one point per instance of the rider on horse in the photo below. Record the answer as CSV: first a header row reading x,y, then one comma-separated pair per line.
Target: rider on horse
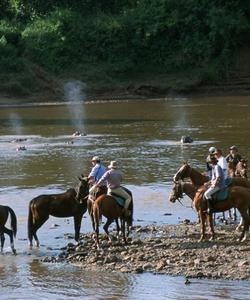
x,y
114,177
233,156
97,170
211,151
217,182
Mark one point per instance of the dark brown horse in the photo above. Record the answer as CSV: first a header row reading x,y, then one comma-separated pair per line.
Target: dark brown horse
x,y
4,213
239,197
72,203
107,206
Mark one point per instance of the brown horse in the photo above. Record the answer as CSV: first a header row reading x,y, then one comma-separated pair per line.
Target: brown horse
x,y
198,179
107,206
239,171
239,197
4,213
72,203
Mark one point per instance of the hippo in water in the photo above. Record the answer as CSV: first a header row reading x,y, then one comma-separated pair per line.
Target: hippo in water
x,y
186,139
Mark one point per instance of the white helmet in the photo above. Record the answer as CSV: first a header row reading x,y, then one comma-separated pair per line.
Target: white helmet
x,y
211,150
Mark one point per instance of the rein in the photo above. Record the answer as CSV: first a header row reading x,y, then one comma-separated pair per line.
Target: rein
x,y
179,198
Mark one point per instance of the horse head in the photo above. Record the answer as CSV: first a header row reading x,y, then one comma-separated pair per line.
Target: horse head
x,y
176,192
82,190
183,172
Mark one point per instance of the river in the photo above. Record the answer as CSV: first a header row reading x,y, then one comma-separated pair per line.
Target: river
x,y
144,137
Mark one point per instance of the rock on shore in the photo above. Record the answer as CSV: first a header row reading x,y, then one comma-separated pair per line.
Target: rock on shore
x,y
167,249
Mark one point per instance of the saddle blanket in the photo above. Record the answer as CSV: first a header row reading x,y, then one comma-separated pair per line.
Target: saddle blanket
x,y
119,199
221,195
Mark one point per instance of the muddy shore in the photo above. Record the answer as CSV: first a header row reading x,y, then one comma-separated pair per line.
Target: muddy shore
x,y
168,249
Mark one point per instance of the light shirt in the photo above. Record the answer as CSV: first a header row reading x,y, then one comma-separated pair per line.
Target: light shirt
x,y
113,178
223,164
218,172
97,172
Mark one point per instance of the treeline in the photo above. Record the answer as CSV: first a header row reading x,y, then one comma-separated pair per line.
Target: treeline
x,y
113,39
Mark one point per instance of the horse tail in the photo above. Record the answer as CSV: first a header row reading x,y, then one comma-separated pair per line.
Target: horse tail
x,y
13,222
129,219
30,220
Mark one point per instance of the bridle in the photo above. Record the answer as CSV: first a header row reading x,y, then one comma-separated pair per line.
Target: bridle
x,y
82,193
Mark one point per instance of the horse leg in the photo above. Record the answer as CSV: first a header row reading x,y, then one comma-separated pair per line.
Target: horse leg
x,y
234,214
118,228
123,230
36,226
2,241
96,217
211,226
10,234
240,224
245,217
77,225
203,225
106,226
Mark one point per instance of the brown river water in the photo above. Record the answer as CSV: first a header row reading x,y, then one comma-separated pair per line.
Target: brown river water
x,y
144,137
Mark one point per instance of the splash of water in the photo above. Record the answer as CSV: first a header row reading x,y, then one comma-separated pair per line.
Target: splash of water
x,y
16,123
74,95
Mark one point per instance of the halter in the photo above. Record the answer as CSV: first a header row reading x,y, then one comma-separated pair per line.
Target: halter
x,y
181,196
79,194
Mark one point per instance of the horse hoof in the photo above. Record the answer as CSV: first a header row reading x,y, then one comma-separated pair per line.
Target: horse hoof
x,y
14,251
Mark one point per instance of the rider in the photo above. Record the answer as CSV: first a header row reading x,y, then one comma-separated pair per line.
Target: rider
x,y
114,177
211,152
221,162
217,182
97,170
233,156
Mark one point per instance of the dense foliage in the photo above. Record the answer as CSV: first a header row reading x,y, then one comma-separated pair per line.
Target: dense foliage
x,y
118,38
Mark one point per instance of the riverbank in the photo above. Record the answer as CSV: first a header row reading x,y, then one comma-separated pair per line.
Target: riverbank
x,y
168,249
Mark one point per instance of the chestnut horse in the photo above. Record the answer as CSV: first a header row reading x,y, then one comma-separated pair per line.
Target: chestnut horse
x,y
238,197
72,203
107,206
4,213
198,179
239,171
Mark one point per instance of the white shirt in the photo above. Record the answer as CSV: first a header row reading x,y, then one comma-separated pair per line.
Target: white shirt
x,y
223,164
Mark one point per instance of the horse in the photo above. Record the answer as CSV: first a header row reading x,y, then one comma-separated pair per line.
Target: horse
x,y
72,203
107,206
239,171
4,213
238,197
198,179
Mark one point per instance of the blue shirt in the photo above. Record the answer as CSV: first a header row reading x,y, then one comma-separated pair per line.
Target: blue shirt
x,y
97,172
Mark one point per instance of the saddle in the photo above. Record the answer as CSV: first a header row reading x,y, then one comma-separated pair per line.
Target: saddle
x,y
120,200
221,195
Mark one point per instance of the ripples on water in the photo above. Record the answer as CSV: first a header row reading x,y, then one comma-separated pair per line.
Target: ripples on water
x,y
144,138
